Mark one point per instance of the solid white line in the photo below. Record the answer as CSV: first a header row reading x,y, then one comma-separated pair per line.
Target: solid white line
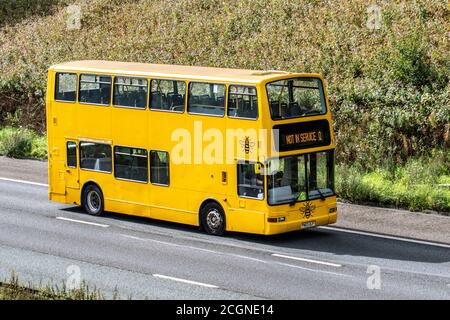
x,y
24,182
306,260
84,222
387,237
185,281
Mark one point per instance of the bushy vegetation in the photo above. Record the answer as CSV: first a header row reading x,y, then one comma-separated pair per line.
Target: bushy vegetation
x,y
389,88
419,185
22,143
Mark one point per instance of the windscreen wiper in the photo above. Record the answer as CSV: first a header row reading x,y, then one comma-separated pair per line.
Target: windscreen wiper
x,y
322,197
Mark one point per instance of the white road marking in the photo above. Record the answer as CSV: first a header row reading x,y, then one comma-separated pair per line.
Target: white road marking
x,y
307,260
194,248
312,270
84,222
168,243
24,182
185,281
241,256
387,237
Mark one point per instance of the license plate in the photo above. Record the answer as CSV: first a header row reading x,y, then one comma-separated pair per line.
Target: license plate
x,y
308,224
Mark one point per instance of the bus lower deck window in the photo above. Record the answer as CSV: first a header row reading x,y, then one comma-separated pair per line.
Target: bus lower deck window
x,y
159,167
95,156
131,163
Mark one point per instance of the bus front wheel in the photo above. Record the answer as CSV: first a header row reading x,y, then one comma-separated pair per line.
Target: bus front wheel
x,y
213,219
93,200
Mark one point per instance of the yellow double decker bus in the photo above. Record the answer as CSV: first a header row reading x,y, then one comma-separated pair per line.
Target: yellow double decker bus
x,y
224,149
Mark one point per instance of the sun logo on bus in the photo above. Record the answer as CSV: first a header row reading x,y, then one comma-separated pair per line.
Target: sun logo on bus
x,y
247,145
307,209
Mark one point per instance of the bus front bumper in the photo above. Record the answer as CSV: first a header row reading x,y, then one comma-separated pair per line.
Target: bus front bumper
x,y
299,224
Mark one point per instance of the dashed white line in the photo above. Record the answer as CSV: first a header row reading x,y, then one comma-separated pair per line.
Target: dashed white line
x,y
24,182
307,260
186,281
168,243
376,235
312,270
83,222
243,257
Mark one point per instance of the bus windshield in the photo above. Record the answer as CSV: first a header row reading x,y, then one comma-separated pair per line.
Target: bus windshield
x,y
298,178
295,98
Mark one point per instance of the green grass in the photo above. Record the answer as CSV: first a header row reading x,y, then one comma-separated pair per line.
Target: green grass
x,y
22,143
418,185
14,290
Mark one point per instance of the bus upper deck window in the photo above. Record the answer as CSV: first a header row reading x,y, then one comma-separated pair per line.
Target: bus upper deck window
x,y
66,87
242,102
130,92
206,98
167,95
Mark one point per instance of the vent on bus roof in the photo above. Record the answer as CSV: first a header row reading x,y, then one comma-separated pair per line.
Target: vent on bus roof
x,y
269,72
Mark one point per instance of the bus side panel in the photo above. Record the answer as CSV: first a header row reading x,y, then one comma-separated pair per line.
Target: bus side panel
x,y
128,197
48,114
93,121
56,181
129,128
244,215
170,202
104,180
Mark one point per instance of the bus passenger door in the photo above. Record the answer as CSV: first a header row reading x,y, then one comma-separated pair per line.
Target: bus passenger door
x,y
72,177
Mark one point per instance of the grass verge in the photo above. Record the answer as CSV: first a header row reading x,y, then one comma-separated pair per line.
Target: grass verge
x,y
13,290
420,185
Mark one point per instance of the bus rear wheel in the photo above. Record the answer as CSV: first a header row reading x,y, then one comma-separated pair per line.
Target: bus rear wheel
x,y
213,219
93,200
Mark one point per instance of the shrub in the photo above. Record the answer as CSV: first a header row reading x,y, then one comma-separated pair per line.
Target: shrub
x,y
416,185
22,143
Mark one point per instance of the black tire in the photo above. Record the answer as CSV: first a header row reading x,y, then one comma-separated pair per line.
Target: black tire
x,y
92,200
213,219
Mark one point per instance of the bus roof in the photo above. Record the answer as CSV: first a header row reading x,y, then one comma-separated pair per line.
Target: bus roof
x,y
173,71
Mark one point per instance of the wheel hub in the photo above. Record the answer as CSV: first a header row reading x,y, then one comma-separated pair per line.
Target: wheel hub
x,y
214,219
93,201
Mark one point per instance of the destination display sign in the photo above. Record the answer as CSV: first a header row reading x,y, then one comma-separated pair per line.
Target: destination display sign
x,y
301,135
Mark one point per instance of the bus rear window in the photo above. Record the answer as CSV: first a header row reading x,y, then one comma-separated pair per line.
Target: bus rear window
x,y
296,97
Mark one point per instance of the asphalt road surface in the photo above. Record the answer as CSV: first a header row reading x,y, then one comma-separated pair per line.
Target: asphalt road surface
x,y
44,242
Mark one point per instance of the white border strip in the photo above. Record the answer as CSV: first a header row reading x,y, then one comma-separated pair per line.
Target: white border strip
x,y
84,222
376,235
24,182
307,260
185,281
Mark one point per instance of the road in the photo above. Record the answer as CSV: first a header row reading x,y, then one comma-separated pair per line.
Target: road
x,y
46,242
